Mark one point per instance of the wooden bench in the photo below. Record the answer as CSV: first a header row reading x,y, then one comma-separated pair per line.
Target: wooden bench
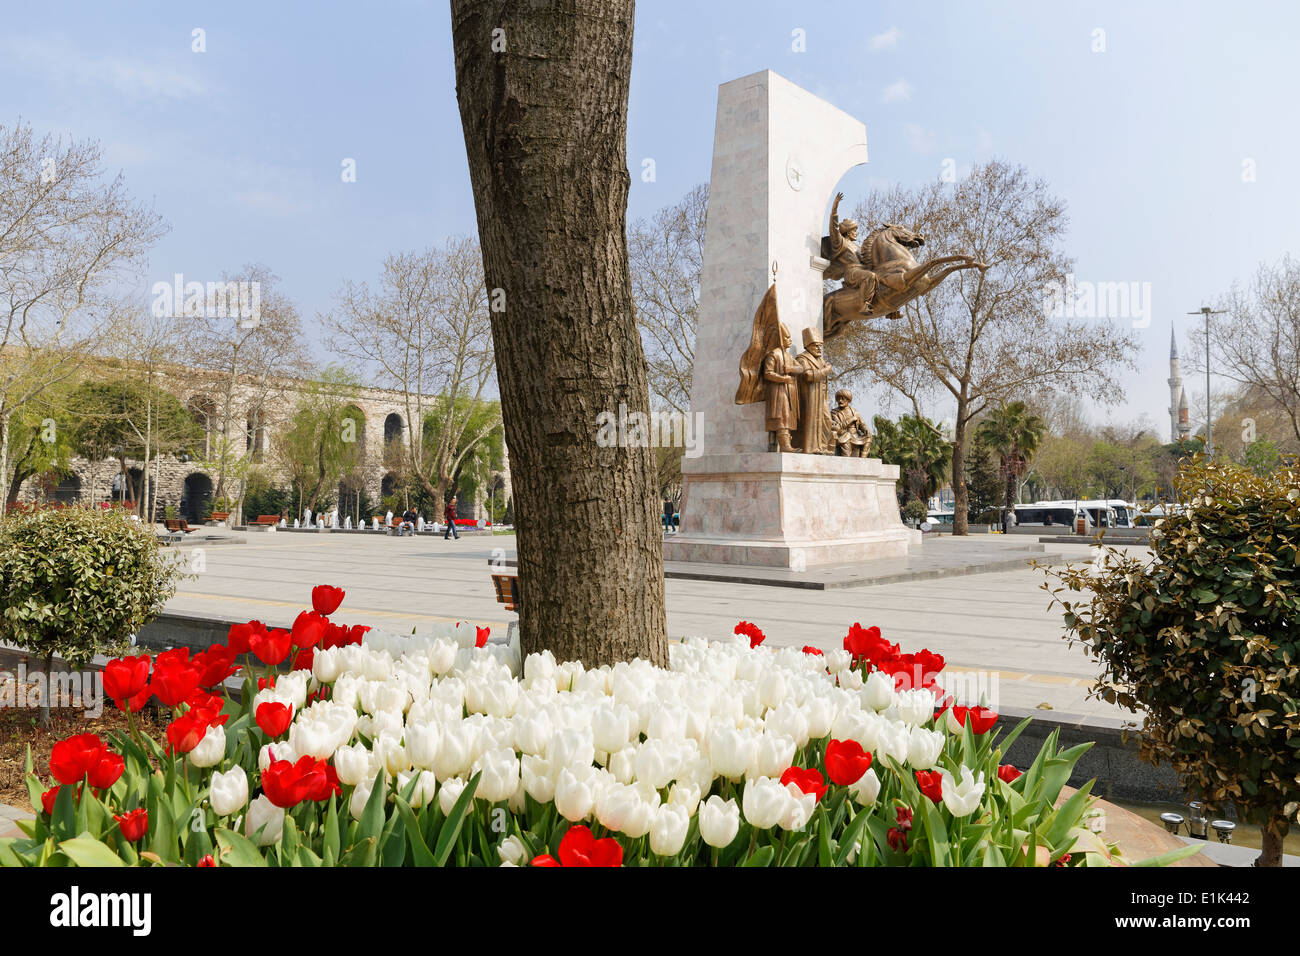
x,y
507,588
185,526
266,520
219,516
177,526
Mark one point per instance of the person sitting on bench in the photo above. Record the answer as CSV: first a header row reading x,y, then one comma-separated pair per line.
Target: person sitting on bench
x,y
408,523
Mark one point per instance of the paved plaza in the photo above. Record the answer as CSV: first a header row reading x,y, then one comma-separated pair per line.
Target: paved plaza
x,y
997,621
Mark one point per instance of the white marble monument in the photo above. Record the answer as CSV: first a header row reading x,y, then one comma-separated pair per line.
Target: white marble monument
x,y
778,154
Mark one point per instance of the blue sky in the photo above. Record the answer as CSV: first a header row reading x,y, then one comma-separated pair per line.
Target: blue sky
x,y
240,147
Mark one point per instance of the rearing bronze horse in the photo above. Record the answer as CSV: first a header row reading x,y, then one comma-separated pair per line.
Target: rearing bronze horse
x,y
892,275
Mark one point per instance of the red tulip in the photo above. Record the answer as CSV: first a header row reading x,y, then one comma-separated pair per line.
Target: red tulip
x,y
809,649
215,665
903,815
240,635
356,632
207,861
1008,773
866,644
481,635
309,628
274,719
303,658
106,773
336,635
981,718
809,781
289,784
897,838
270,647
751,631
186,731
125,677
544,859
326,599
846,762
930,783
580,848
175,678
72,759
48,798
134,824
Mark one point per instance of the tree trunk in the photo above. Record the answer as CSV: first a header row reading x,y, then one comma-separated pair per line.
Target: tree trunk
x,y
543,92
960,496
45,694
1273,833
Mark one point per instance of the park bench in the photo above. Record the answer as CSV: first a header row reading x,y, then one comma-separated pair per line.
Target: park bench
x,y
177,525
266,520
185,526
217,517
507,588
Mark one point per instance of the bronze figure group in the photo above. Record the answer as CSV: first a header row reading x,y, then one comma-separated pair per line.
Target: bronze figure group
x,y
879,276
794,388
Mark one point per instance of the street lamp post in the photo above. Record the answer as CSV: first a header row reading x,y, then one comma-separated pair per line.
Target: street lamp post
x,y
1206,311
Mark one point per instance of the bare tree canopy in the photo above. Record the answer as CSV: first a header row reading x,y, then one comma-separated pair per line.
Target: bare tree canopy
x,y
985,337
425,330
69,238
666,257
1257,342
543,92
251,365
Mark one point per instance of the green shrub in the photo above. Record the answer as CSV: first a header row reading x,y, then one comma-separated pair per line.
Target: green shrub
x,y
76,582
1203,640
915,510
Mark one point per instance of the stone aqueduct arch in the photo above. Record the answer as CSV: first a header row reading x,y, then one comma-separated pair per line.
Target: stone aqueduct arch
x,y
383,412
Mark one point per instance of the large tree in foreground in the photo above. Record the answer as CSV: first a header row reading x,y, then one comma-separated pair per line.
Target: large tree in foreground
x,y
543,92
985,337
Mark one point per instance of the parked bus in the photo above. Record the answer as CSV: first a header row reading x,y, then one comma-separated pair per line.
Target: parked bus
x,y
1052,514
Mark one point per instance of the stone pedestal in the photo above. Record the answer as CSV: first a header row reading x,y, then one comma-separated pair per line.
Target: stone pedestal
x,y
788,511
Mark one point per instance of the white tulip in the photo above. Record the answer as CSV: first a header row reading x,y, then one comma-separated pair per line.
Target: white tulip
x,y
668,829
800,809
964,799
719,821
263,813
877,692
866,789
685,795
421,742
426,785
354,763
622,808
511,850
924,747
573,797
655,763
228,791
731,751
537,777
774,753
360,797
449,794
211,750
765,802
500,769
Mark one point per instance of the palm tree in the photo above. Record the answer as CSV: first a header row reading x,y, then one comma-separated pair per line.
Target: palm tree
x,y
919,449
1014,434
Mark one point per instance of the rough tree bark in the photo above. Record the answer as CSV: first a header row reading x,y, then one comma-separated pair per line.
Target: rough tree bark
x,y
543,91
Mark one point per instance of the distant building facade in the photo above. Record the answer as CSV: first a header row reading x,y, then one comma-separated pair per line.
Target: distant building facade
x,y
259,413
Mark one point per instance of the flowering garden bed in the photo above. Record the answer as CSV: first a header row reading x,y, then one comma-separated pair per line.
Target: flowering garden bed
x,y
380,749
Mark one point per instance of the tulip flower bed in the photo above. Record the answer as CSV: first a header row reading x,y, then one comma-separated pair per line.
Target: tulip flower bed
x,y
380,749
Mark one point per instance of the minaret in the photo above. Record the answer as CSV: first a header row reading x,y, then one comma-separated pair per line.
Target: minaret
x,y
1184,421
1176,397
